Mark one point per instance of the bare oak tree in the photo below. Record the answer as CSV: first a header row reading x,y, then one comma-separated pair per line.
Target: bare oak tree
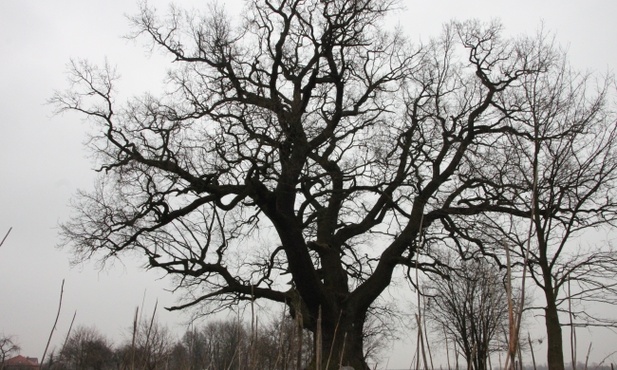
x,y
295,157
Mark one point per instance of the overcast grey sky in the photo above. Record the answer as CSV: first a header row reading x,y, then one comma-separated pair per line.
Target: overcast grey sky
x,y
43,161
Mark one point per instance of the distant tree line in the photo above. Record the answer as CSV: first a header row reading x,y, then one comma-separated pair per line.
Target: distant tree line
x,y
228,344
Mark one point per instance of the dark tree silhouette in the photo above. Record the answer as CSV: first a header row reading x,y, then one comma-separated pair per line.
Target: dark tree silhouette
x,y
85,349
296,157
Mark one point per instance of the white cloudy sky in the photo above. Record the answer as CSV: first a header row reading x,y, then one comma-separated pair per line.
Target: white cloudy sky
x,y
43,162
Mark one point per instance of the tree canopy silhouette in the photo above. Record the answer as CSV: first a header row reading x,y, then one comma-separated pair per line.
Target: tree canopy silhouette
x,y
298,155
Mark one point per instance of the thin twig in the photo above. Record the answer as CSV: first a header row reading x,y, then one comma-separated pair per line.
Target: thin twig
x,y
604,359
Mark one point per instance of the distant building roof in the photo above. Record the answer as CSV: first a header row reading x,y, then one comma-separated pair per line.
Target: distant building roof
x,y
20,360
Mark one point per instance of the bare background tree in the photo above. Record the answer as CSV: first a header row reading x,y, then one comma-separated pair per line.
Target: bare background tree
x,y
87,349
232,344
575,157
566,169
8,348
469,306
150,346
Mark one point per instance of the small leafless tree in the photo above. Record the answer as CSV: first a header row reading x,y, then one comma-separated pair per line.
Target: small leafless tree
x,y
85,348
8,347
469,306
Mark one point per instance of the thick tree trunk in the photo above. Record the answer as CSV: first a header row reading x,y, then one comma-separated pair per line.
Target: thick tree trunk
x,y
342,345
338,334
554,355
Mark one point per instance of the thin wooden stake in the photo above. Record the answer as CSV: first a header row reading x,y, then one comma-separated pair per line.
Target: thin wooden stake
x,y
587,357
135,328
68,333
318,341
300,328
55,321
6,235
533,355
573,344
